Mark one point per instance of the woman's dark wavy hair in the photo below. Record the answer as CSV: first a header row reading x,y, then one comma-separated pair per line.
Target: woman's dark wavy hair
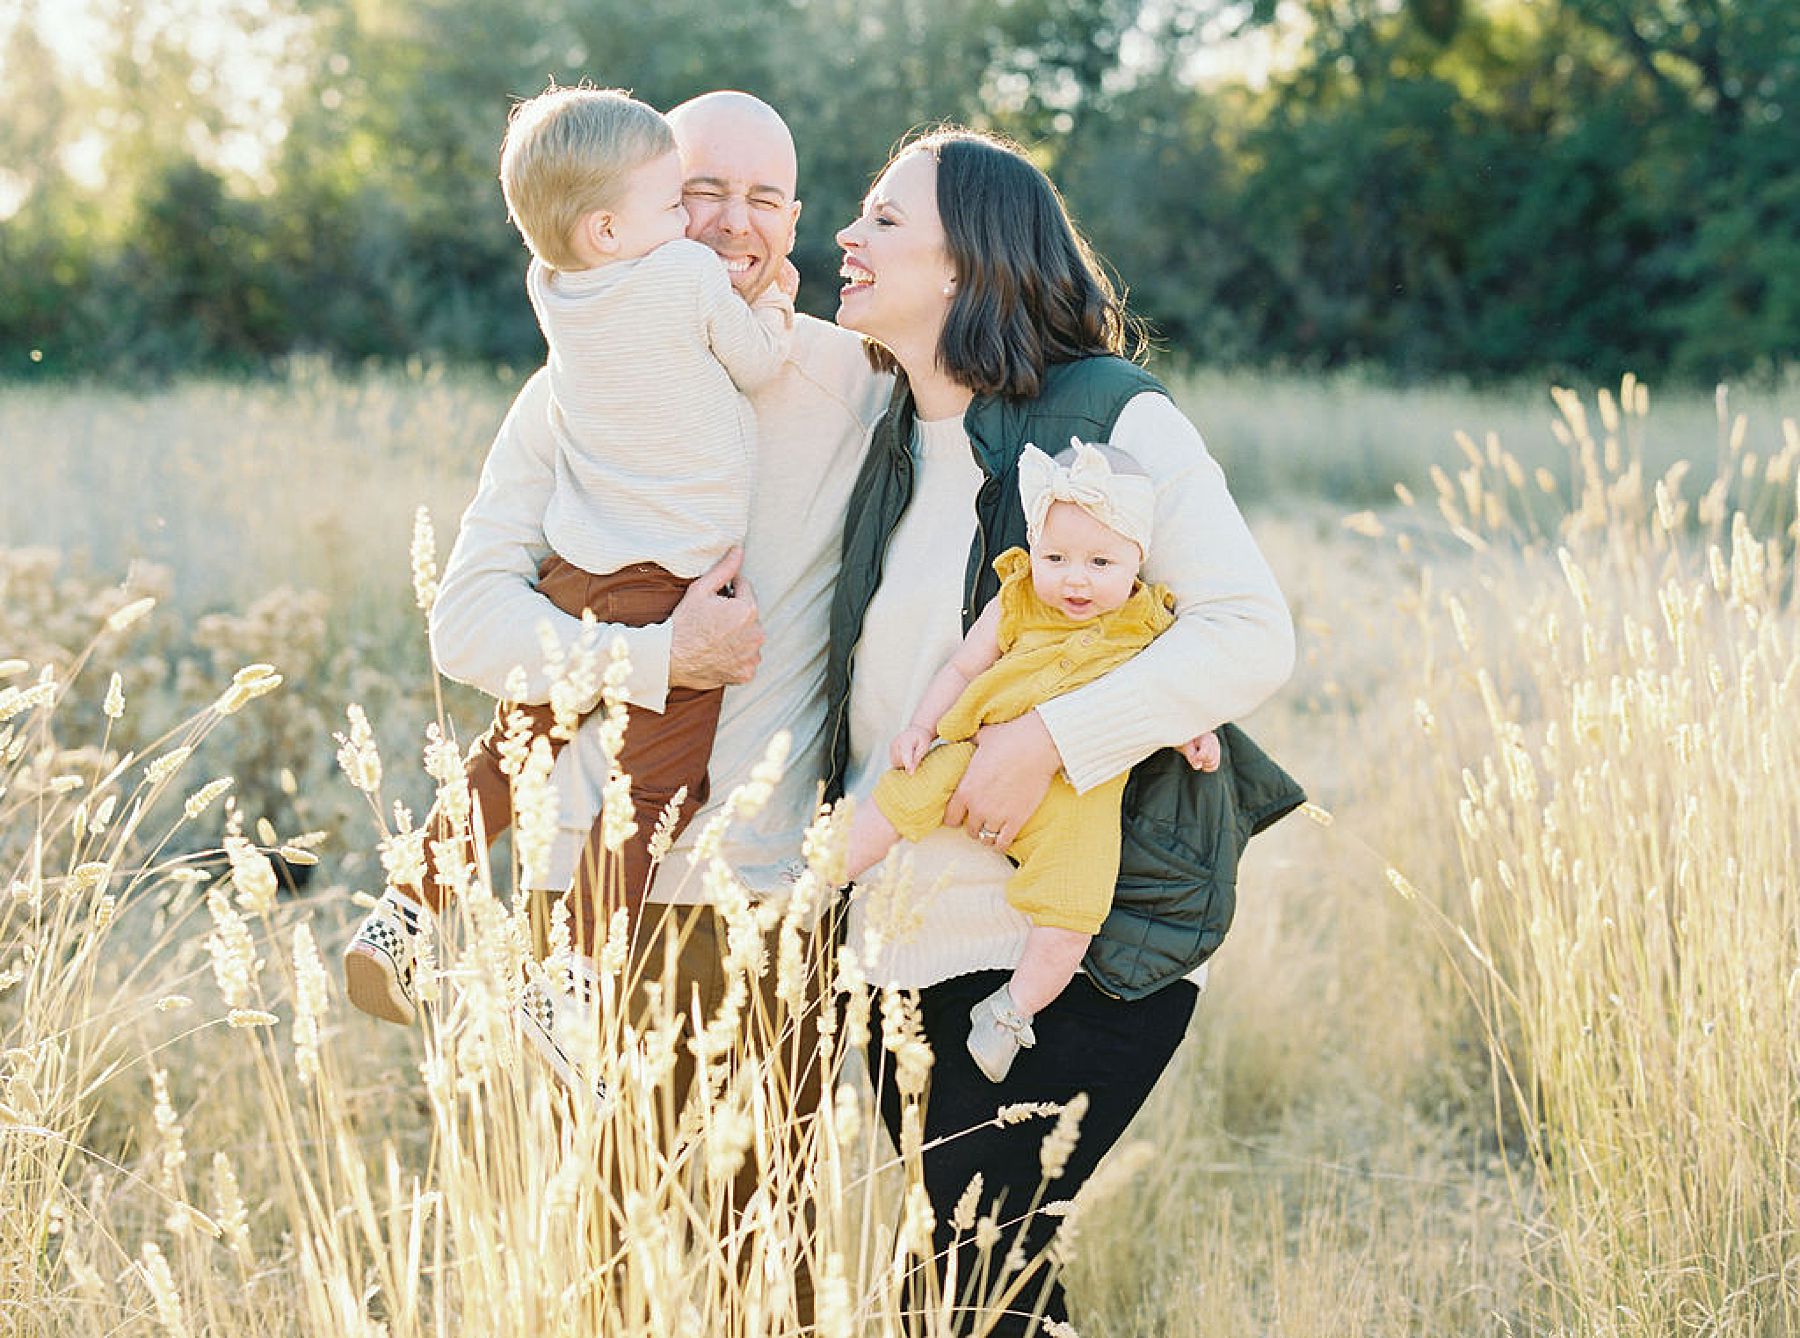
x,y
1029,290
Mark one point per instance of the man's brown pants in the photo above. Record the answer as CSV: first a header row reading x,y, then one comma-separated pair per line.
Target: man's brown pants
x,y
695,988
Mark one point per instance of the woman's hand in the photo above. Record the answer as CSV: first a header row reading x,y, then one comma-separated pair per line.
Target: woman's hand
x,y
1006,780
909,748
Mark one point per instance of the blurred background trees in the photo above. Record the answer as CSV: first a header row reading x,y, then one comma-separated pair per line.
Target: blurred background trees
x,y
1480,187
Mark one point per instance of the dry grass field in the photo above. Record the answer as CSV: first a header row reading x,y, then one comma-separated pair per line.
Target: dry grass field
x,y
1506,1039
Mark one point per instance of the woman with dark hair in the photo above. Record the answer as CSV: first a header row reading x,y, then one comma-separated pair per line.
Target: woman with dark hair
x,y
967,276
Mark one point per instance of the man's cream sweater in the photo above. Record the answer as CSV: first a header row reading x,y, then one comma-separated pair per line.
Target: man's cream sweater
x,y
813,419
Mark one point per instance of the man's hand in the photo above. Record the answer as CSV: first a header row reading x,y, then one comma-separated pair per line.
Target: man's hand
x,y
714,636
1202,753
1006,780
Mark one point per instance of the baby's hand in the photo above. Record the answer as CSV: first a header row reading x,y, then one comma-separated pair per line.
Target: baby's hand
x,y
1202,753
909,746
787,278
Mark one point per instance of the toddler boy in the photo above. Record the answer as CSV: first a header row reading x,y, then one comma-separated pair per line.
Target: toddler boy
x,y
650,351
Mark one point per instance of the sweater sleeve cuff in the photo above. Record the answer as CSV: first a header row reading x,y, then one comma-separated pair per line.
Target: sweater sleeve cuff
x,y
647,686
772,302
1099,741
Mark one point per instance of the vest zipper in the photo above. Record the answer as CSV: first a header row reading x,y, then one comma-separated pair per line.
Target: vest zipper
x,y
880,567
972,576
969,610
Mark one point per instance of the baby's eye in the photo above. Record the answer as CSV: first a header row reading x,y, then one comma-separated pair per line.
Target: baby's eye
x,y
1102,562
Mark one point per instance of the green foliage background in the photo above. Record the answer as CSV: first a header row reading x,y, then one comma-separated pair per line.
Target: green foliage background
x,y
1481,187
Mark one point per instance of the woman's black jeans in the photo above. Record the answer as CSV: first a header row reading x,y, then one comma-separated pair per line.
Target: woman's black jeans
x,y
1087,1041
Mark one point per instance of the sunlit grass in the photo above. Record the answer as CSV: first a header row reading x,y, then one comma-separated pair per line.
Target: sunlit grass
x,y
1613,719
310,478
1506,1047
190,1141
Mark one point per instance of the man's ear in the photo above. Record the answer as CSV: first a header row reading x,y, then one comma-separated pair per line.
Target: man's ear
x,y
793,227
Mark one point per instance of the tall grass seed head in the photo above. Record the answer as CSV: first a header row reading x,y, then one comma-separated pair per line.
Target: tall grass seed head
x,y
658,1049
826,845
232,951
312,997
87,877
159,771
573,692
160,1280
357,752
423,554
722,1034
711,839
247,684
618,673
253,874
229,1210
1059,1144
403,858
968,1204
172,1150
903,1036
834,1314
791,964
916,1224
662,837
203,798
535,813
852,984
131,613
750,797
730,1129
17,701
617,948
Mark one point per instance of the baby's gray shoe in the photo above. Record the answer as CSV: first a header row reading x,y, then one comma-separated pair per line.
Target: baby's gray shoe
x,y
997,1032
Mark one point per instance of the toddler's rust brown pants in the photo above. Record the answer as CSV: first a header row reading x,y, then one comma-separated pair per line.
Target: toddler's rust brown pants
x,y
662,753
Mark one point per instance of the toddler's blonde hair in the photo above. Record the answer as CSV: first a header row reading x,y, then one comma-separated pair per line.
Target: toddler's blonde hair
x,y
567,153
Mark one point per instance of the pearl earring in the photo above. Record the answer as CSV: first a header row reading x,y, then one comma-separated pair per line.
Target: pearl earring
x,y
950,288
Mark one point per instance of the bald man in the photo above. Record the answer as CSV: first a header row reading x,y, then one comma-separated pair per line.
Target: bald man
x,y
765,639
756,627
759,628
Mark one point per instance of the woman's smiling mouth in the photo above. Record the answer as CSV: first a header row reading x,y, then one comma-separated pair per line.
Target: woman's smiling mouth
x,y
855,275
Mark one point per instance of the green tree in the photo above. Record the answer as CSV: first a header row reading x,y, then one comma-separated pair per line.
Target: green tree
x,y
1477,186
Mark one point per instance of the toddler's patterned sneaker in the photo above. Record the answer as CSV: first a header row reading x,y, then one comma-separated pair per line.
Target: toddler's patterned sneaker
x,y
561,1026
382,956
